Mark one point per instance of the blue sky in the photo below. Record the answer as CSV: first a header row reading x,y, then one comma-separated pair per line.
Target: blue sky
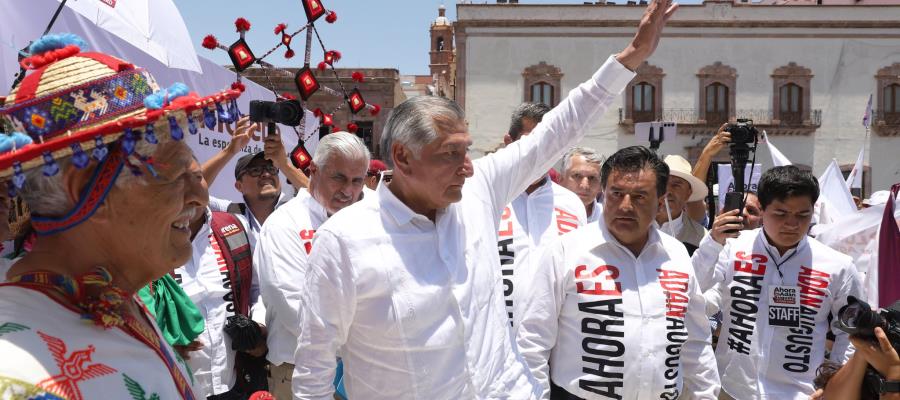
x,y
368,33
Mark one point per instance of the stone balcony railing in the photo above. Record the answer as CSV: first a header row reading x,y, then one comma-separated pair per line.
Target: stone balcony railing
x,y
690,122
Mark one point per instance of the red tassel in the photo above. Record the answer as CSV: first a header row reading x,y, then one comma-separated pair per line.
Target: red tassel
x,y
239,86
352,128
327,120
375,109
210,42
280,28
318,113
289,53
331,17
242,24
321,66
358,76
39,60
336,55
288,96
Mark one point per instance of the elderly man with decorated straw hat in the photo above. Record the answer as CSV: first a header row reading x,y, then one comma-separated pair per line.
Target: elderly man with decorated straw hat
x,y
683,187
96,150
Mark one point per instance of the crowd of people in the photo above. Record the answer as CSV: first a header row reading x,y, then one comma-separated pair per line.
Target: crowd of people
x,y
425,275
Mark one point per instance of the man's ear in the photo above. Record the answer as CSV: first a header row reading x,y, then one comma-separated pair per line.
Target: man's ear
x,y
507,139
313,168
238,185
401,156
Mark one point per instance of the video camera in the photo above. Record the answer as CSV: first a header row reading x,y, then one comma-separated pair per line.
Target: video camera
x,y
285,112
858,319
743,134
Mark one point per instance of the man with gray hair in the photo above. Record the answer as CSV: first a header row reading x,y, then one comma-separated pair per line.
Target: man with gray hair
x,y
542,212
337,177
405,285
581,174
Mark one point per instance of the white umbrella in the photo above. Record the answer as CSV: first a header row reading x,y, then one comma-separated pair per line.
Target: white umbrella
x,y
154,26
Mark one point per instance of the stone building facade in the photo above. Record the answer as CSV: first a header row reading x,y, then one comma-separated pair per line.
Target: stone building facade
x,y
803,73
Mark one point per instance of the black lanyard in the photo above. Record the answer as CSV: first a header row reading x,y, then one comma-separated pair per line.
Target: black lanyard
x,y
777,264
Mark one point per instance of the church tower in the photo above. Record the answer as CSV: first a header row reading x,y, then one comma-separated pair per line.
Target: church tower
x,y
442,65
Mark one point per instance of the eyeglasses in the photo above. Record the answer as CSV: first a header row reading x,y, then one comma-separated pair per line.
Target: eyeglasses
x,y
257,170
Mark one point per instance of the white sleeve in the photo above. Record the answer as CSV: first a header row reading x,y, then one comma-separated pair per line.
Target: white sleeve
x,y
509,171
281,261
698,362
704,261
327,309
850,285
718,282
539,313
217,204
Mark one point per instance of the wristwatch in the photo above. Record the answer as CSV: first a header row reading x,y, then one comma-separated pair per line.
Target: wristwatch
x,y
890,386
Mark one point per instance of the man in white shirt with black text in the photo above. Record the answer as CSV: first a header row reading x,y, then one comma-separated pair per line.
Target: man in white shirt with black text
x,y
206,279
541,213
406,286
581,175
337,177
614,310
777,287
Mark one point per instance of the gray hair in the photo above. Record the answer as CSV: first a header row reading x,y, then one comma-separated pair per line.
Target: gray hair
x,y
412,124
340,143
590,155
47,195
532,111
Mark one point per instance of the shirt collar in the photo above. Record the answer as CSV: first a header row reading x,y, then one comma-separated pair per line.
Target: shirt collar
x,y
396,208
773,251
315,209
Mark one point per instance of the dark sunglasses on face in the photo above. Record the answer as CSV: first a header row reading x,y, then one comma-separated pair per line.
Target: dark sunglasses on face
x,y
257,170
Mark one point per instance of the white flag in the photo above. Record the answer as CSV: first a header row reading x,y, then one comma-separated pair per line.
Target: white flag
x,y
867,118
778,159
854,180
835,201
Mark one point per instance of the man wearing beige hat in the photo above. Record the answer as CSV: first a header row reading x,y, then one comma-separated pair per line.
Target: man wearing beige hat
x,y
682,188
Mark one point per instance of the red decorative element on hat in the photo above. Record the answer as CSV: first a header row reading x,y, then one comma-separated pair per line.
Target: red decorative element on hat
x,y
289,53
242,24
239,86
318,113
358,76
352,128
39,60
280,28
288,96
328,120
331,17
210,42
375,109
322,66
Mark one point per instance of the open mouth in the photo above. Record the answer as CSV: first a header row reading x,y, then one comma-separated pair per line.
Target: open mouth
x,y
183,223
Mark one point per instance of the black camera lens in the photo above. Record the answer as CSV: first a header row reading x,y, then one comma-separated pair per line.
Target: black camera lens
x,y
286,112
857,318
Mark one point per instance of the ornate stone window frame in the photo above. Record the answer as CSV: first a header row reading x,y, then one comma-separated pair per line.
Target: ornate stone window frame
x,y
716,73
798,75
650,74
542,73
885,77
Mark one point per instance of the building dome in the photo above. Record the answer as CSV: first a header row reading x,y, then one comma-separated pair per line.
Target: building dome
x,y
441,20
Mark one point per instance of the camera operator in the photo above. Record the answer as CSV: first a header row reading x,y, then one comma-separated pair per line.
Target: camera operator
x,y
777,288
872,372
